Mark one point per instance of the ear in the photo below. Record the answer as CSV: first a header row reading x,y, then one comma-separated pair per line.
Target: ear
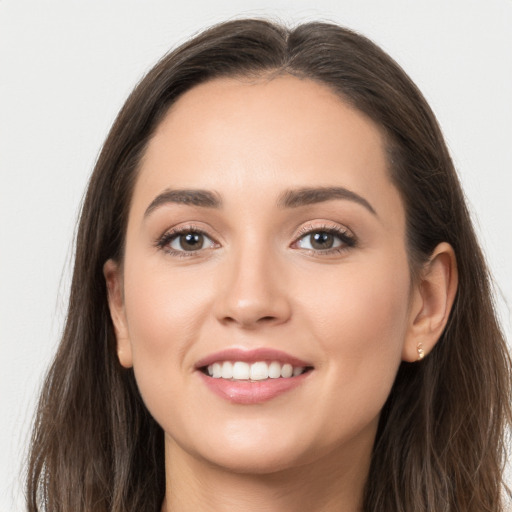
x,y
431,303
114,280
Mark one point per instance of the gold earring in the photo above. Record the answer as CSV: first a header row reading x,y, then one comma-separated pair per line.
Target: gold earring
x,y
421,352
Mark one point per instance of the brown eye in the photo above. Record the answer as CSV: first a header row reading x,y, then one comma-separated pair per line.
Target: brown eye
x,y
189,241
325,240
320,241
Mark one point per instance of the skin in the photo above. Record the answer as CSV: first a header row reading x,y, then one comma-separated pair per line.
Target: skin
x,y
354,314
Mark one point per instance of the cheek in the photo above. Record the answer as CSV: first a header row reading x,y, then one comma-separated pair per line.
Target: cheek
x,y
367,315
164,311
360,321
163,301
366,301
158,315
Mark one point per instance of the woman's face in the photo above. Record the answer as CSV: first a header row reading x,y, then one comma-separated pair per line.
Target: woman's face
x,y
264,228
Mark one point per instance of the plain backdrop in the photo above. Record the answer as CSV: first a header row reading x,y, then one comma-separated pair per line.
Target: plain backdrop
x,y
67,66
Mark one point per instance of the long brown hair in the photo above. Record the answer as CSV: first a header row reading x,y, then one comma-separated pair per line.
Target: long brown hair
x,y
440,445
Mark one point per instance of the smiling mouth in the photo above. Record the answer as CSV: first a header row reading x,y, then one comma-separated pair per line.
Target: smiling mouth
x,y
253,372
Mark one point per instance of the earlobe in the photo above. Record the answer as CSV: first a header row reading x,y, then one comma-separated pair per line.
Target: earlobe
x,y
113,279
431,304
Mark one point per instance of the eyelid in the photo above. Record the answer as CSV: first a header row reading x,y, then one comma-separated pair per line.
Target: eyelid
x,y
163,242
344,234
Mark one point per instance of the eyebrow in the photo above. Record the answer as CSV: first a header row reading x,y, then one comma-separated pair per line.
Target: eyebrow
x,y
306,196
194,197
289,199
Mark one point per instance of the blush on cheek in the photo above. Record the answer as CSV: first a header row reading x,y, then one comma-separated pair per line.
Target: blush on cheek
x,y
163,313
162,306
362,326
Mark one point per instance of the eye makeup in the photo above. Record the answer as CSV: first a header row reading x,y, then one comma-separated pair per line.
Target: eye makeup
x,y
324,239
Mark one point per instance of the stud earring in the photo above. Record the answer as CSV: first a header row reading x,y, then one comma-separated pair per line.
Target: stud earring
x,y
421,352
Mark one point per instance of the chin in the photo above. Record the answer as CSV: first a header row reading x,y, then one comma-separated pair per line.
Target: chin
x,y
244,449
261,451
255,461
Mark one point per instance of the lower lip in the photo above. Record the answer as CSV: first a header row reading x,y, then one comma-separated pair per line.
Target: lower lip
x,y
252,392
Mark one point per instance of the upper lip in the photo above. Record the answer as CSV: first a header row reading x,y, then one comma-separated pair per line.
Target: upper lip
x,y
250,356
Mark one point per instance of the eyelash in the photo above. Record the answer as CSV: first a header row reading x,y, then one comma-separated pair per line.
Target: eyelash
x,y
347,239
169,236
344,235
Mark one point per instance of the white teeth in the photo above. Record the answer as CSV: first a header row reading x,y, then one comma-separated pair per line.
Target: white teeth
x,y
227,370
217,371
297,371
287,371
260,370
274,370
241,371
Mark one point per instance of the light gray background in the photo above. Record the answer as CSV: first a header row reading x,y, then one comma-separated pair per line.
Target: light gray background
x,y
66,68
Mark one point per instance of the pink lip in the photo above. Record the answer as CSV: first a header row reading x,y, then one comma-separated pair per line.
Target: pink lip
x,y
251,356
251,392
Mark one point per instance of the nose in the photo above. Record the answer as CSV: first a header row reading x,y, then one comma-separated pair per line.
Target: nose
x,y
252,291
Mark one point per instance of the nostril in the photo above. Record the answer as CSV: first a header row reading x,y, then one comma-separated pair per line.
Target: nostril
x,y
251,311
250,323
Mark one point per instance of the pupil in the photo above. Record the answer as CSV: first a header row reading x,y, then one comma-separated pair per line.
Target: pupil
x,y
322,240
191,241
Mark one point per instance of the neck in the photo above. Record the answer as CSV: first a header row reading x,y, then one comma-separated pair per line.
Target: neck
x,y
332,483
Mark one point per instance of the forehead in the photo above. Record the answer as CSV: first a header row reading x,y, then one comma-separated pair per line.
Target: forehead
x,y
235,136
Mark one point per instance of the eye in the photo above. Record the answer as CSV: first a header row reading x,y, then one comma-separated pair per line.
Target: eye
x,y
325,239
186,240
190,242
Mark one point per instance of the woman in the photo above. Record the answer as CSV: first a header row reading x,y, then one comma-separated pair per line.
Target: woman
x,y
278,300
